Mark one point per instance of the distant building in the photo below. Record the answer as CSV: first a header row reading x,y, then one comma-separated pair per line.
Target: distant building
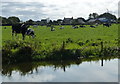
x,y
48,20
37,22
43,21
67,21
81,21
106,20
91,21
100,21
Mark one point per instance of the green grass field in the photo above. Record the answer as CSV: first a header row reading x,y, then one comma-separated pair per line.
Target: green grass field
x,y
44,34
46,41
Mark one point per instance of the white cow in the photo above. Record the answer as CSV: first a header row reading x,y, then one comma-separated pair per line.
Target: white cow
x,y
30,32
35,26
61,27
52,28
74,27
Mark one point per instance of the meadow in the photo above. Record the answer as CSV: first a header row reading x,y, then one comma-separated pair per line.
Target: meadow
x,y
61,44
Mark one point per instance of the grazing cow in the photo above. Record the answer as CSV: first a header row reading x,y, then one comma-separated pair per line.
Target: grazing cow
x,y
52,28
19,28
96,24
4,27
92,26
61,27
82,26
107,24
35,26
75,27
30,32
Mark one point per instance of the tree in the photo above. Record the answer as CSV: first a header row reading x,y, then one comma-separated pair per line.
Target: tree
x,y
13,20
50,22
93,16
55,22
108,16
59,21
4,20
30,22
119,19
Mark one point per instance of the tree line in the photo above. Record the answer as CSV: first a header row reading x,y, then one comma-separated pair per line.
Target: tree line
x,y
15,20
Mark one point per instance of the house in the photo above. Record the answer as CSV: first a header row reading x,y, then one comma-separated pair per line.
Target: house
x,y
74,22
81,20
38,22
43,22
100,21
91,21
106,20
103,20
67,21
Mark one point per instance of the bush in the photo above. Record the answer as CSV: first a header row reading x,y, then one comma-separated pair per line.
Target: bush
x,y
80,43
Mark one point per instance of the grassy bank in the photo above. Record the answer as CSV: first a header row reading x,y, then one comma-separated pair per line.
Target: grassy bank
x,y
65,44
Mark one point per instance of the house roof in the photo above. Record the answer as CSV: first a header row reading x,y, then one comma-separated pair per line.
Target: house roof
x,y
68,18
92,20
103,19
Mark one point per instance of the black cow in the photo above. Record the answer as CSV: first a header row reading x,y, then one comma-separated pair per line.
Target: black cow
x,y
4,27
92,26
19,28
82,26
107,24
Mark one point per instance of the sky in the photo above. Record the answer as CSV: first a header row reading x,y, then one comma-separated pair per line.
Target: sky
x,y
56,9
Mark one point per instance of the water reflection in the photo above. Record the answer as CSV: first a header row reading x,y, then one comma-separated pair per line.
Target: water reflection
x,y
84,70
28,68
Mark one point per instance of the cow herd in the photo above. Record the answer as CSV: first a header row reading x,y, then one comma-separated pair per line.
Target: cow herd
x,y
25,30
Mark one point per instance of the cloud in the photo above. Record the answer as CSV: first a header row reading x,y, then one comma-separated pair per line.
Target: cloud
x,y
55,9
23,10
119,9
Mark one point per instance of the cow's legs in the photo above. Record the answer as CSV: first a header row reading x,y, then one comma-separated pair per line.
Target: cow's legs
x,y
23,35
12,33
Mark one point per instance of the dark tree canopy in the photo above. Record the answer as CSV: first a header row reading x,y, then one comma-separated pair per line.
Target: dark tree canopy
x,y
14,20
4,20
50,22
93,16
75,21
108,15
119,19
30,22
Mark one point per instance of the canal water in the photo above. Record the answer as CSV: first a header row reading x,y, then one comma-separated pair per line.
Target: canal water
x,y
69,71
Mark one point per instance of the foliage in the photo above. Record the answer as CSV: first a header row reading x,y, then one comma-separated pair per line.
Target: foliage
x,y
13,20
93,16
108,15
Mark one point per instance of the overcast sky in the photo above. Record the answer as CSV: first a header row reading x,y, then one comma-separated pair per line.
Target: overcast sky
x,y
56,9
